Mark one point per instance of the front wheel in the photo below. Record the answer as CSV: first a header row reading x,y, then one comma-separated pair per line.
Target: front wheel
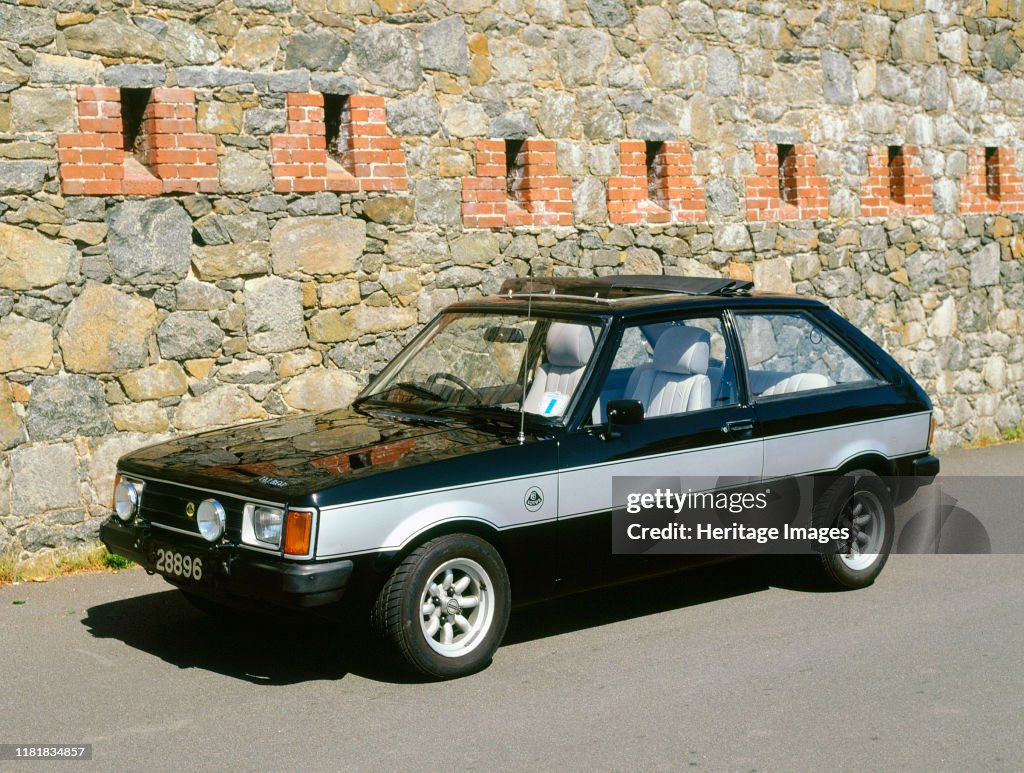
x,y
445,608
860,502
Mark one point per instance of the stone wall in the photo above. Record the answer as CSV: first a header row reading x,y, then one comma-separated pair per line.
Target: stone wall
x,y
213,212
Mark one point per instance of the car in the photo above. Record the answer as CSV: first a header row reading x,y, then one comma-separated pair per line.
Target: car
x,y
475,471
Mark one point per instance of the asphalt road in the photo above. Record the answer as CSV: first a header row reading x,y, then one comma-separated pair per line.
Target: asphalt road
x,y
724,669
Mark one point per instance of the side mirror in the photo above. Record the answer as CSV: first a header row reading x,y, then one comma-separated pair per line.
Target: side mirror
x,y
623,412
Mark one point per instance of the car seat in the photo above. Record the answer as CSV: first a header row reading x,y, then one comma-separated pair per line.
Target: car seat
x,y
677,380
569,347
798,382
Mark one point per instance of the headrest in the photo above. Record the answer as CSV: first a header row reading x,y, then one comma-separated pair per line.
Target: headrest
x,y
683,350
653,331
569,345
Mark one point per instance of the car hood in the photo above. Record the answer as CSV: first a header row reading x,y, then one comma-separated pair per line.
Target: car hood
x,y
297,455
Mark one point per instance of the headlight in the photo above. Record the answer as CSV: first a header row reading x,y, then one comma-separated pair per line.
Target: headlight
x,y
266,524
127,495
210,518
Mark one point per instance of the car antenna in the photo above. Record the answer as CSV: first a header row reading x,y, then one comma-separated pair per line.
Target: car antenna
x,y
526,368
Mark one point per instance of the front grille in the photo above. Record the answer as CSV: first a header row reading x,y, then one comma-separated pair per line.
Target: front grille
x,y
166,504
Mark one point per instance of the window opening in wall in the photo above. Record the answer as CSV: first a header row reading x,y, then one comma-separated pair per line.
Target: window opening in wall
x,y
897,174
513,168
337,125
133,109
652,160
787,174
992,172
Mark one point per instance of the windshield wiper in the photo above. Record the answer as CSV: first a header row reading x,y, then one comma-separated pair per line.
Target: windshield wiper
x,y
500,413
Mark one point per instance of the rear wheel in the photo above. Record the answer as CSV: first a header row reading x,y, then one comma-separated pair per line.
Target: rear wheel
x,y
860,502
445,608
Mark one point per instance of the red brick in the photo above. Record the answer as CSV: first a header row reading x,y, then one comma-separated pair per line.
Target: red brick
x,y
314,99
309,184
102,187
98,93
142,186
103,125
365,100
289,141
342,184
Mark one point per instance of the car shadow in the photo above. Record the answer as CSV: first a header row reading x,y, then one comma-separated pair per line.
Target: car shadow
x,y
639,599
258,648
291,648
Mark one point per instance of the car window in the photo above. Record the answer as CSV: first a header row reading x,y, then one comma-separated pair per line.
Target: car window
x,y
486,360
671,367
788,353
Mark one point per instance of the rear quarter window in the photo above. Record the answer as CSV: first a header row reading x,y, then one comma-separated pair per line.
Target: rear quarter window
x,y
789,352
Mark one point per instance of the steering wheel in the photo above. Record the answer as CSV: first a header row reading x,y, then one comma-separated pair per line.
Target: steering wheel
x,y
445,376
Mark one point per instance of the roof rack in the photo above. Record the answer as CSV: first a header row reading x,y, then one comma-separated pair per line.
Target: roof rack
x,y
625,286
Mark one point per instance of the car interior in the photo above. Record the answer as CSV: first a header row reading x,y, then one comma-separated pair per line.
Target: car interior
x,y
684,366
671,368
567,352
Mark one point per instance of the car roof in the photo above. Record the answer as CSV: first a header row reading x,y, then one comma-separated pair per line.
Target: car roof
x,y
631,295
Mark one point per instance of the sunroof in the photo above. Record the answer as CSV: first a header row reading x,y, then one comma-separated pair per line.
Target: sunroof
x,y
625,286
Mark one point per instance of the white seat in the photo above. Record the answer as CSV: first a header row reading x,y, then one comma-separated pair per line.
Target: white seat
x,y
798,382
569,347
677,381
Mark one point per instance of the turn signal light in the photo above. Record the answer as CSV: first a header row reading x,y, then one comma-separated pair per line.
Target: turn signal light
x,y
931,431
113,493
297,531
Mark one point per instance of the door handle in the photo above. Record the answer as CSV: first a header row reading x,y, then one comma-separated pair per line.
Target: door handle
x,y
742,425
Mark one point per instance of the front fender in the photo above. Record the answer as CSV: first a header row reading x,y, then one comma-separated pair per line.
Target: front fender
x,y
389,524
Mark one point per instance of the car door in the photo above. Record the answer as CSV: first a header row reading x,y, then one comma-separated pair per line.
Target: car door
x,y
705,439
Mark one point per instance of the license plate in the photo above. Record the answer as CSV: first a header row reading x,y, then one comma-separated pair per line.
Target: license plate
x,y
179,565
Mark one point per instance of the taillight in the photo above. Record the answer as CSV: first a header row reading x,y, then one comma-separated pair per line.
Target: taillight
x,y
297,532
931,430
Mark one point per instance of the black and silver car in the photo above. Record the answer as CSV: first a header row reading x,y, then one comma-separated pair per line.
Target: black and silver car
x,y
475,471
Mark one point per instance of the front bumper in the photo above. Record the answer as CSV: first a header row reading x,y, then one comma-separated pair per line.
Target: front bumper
x,y
231,574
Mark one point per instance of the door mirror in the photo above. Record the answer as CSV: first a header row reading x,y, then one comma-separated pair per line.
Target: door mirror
x,y
623,412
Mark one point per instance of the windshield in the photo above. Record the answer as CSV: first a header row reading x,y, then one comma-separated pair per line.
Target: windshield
x,y
468,360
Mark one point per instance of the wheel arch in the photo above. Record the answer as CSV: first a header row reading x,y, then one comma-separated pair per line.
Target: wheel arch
x,y
459,525
874,462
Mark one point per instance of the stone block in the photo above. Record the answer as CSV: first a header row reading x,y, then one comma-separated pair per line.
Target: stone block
x,y
107,331
44,477
317,246
273,315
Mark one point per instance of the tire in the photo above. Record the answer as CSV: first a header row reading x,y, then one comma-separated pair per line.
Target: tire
x,y
422,611
861,501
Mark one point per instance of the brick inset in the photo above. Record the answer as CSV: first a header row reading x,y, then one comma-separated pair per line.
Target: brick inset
x,y
161,152
362,156
524,190
896,183
655,184
786,185
174,150
991,183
